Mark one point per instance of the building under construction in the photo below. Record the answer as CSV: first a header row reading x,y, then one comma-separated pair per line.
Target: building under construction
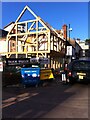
x,y
35,38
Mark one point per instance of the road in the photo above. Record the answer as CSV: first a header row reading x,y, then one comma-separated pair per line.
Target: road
x,y
55,100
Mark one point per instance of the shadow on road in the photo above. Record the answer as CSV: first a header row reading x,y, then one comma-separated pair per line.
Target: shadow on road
x,y
33,102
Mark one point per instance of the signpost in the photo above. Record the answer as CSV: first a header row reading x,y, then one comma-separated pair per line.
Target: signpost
x,y
17,61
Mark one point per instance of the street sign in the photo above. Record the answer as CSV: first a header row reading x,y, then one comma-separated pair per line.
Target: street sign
x,y
17,61
69,51
34,60
44,60
41,60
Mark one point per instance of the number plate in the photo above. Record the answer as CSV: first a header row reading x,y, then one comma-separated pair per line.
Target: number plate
x,y
81,74
80,77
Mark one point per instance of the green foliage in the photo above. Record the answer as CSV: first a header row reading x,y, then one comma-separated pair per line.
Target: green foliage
x,y
87,40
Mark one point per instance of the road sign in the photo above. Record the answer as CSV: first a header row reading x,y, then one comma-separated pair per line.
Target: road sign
x,y
44,60
17,61
69,51
34,60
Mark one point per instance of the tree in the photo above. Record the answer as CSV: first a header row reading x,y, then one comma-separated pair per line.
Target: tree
x,y
87,40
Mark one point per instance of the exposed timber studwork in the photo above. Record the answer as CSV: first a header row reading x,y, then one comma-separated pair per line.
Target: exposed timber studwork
x,y
37,38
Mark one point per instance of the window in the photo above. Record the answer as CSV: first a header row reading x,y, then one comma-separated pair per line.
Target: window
x,y
13,44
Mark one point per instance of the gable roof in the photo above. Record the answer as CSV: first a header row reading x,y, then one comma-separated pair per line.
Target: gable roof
x,y
46,25
9,24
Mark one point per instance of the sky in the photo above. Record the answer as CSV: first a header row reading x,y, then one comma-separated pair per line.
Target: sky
x,y
55,13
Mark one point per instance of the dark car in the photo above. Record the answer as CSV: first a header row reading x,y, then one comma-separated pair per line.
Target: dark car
x,y
79,70
11,75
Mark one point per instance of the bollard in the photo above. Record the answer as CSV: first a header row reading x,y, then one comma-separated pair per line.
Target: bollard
x,y
63,77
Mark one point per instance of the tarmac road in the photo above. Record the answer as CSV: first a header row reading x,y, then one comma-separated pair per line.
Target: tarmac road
x,y
52,101
76,106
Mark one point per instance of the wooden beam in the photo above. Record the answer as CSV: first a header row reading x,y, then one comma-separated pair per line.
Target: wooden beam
x,y
49,45
16,43
43,23
40,52
28,21
21,14
37,37
23,11
31,12
38,31
29,33
29,44
31,26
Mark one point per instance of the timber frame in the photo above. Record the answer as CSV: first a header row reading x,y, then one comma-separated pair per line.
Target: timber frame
x,y
38,38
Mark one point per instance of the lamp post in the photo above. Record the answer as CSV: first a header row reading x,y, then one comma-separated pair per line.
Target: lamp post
x,y
69,32
65,58
70,29
65,62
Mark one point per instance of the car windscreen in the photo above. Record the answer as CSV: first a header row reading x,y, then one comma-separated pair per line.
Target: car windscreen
x,y
81,65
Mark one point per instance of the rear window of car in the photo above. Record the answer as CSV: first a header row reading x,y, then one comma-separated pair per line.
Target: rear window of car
x,y
81,65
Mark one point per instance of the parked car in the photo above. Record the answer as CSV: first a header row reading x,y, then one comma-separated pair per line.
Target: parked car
x,y
11,75
79,70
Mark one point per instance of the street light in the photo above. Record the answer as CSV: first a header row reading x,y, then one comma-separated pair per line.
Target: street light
x,y
65,57
65,62
70,29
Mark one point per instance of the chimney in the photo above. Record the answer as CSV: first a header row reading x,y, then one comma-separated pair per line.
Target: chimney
x,y
64,27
